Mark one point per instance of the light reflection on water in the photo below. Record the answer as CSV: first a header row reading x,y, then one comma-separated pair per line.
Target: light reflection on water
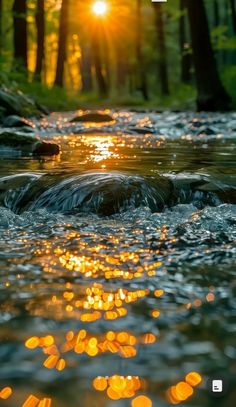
x,y
134,310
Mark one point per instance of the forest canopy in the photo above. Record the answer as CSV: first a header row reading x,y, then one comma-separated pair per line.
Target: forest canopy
x,y
121,51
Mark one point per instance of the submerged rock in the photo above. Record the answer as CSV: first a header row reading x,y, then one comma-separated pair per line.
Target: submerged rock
x,y
16,121
19,143
93,118
101,193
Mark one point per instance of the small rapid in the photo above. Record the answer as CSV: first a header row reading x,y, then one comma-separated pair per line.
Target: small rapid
x,y
105,193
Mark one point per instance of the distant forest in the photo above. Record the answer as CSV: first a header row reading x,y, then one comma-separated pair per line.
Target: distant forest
x,y
127,51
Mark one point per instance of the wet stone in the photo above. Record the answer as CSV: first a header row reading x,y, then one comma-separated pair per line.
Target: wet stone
x,y
92,118
21,143
16,121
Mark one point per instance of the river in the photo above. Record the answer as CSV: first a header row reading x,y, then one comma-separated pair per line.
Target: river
x,y
136,308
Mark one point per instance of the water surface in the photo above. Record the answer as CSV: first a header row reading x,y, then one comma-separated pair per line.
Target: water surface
x,y
98,310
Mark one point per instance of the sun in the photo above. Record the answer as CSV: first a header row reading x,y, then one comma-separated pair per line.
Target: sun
x,y
99,8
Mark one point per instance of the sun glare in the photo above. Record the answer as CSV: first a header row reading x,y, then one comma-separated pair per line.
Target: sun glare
x,y
99,8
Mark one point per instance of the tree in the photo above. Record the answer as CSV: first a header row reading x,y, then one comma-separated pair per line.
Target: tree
x,y
62,42
1,42
20,32
233,12
211,93
161,49
40,24
121,66
185,74
139,54
96,49
86,67
216,13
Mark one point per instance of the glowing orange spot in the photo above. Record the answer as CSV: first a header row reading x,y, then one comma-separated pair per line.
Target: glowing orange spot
x,y
141,401
5,393
117,383
210,297
79,348
193,379
171,395
32,343
155,313
183,391
82,334
48,340
159,293
113,347
92,351
69,336
128,351
31,401
149,338
132,340
45,403
61,364
110,336
100,383
122,337
197,303
136,383
92,342
112,394
51,361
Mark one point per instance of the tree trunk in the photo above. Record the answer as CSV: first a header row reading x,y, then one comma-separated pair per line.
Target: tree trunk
x,y
233,12
62,42
101,81
1,27
139,54
86,68
211,93
216,13
20,32
40,24
186,61
121,68
161,48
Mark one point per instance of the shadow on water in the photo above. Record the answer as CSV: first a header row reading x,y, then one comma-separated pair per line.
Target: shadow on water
x,y
129,307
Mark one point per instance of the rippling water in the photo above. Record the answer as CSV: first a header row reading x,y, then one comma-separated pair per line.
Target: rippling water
x,y
97,311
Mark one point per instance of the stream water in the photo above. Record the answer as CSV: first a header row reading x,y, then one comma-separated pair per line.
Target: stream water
x,y
136,308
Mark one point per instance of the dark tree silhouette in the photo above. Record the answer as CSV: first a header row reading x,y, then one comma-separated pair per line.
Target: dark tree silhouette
x,y
186,59
0,27
96,49
216,13
62,42
233,12
20,32
161,49
86,68
40,24
121,67
140,60
211,93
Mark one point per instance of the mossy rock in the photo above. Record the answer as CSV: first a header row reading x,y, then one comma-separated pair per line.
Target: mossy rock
x,y
17,121
16,103
93,118
26,144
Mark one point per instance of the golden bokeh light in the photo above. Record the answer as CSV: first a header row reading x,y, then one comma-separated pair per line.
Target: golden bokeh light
x,y
118,387
183,390
5,393
141,401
